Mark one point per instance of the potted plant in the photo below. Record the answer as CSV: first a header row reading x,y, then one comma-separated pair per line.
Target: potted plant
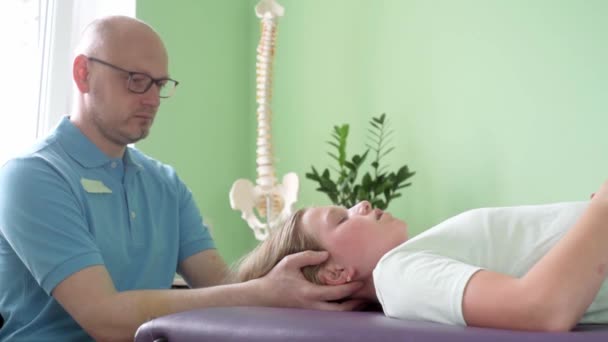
x,y
378,186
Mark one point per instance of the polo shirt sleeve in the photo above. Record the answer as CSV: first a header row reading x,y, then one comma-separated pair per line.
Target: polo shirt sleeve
x,y
194,234
419,285
43,222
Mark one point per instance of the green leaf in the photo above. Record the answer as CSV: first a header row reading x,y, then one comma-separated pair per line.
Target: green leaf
x,y
387,152
380,188
404,173
325,174
393,196
312,176
333,156
374,134
343,131
375,141
367,181
334,144
362,159
351,177
404,185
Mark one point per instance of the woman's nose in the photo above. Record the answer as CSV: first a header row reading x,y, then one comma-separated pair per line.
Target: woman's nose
x,y
364,207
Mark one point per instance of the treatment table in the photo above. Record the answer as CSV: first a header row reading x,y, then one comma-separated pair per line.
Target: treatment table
x,y
257,324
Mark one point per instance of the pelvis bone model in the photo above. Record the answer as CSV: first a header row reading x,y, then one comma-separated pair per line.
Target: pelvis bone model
x,y
267,204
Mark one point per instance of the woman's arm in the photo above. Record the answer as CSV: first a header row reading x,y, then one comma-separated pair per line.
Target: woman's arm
x,y
555,293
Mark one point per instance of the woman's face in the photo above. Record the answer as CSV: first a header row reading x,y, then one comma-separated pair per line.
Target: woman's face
x,y
357,237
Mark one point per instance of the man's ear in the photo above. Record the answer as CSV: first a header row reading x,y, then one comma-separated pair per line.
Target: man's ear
x,y
80,73
334,274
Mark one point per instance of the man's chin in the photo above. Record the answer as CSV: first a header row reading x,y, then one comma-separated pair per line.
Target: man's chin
x,y
144,134
133,138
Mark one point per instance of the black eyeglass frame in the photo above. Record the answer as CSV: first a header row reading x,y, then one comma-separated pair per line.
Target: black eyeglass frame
x,y
160,82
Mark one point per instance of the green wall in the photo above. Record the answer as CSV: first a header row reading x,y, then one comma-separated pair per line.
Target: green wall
x,y
204,130
495,102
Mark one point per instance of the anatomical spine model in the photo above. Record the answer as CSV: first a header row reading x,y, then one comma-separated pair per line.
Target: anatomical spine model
x,y
268,203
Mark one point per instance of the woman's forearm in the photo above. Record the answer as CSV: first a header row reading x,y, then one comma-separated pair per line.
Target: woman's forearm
x,y
568,278
555,293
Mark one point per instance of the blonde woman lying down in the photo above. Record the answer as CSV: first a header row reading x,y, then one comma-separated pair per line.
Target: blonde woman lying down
x,y
527,267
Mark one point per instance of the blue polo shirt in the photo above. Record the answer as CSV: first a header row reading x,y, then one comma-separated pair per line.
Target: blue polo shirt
x,y
65,206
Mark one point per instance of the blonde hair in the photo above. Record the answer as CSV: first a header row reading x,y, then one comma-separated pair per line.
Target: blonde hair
x,y
287,239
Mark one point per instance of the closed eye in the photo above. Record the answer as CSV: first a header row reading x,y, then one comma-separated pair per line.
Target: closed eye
x,y
343,216
337,216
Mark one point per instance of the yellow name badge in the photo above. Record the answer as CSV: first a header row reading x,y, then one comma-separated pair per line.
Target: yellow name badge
x,y
94,186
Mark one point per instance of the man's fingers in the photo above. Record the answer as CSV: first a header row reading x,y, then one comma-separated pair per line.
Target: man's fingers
x,y
331,293
349,305
306,258
353,304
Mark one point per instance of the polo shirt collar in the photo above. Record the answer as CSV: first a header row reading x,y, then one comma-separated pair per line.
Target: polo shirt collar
x,y
78,146
132,159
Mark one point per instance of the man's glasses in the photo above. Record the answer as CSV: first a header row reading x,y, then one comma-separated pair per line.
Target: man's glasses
x,y
140,82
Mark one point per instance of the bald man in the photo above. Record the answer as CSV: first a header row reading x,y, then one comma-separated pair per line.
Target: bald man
x,y
92,231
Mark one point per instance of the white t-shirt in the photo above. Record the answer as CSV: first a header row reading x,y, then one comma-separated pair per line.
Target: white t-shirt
x,y
425,277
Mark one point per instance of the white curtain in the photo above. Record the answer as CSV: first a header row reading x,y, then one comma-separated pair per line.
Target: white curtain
x,y
66,20
38,37
20,70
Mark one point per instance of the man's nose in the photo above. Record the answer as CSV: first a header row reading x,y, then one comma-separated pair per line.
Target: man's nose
x,y
152,96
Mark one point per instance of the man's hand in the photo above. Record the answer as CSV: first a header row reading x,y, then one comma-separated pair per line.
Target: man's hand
x,y
286,286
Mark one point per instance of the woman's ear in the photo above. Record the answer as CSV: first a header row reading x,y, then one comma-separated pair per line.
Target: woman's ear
x,y
334,274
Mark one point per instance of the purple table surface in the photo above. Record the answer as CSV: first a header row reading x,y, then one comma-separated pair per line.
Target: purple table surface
x,y
282,324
